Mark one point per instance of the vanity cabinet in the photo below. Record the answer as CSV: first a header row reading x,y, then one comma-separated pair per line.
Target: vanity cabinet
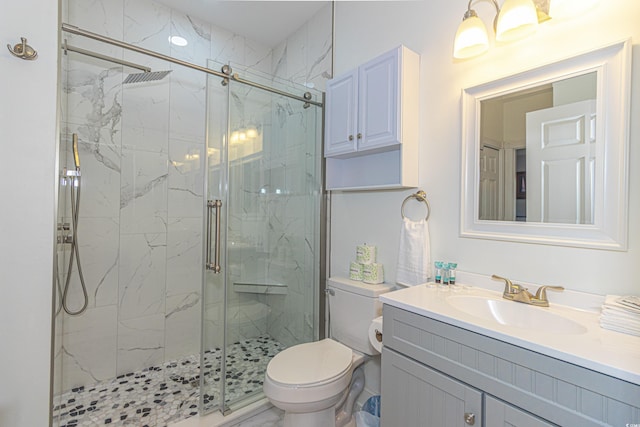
x,y
371,124
436,374
424,397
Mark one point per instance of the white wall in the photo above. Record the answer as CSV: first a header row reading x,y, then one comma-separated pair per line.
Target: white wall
x,y
428,27
27,147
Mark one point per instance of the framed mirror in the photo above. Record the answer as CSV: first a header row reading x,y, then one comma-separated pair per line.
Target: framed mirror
x,y
544,153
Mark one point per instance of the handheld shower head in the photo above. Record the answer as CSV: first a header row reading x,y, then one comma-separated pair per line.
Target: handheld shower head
x,y
76,156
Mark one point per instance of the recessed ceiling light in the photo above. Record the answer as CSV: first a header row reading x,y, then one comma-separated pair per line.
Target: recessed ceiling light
x,y
178,41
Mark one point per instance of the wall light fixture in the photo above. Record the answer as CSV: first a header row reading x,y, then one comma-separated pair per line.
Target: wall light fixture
x,y
516,19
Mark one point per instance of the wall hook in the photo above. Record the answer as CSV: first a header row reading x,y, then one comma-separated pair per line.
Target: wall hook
x,y
23,50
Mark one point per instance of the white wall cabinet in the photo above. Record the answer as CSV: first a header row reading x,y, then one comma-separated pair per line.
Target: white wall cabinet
x,y
438,375
371,124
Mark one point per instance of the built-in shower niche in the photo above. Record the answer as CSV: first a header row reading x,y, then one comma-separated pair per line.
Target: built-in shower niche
x,y
260,288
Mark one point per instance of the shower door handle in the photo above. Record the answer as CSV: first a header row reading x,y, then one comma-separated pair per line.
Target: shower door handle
x,y
213,265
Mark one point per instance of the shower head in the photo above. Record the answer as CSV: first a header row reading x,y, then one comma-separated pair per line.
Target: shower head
x,y
76,156
145,77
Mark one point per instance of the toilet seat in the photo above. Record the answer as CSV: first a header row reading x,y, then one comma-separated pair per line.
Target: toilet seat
x,y
309,372
310,364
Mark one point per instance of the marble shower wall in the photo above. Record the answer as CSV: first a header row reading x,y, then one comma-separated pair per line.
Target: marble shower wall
x,y
142,148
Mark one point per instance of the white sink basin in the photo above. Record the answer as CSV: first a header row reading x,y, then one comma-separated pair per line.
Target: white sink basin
x,y
514,314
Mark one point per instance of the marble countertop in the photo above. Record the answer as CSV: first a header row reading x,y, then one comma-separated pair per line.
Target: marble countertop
x,y
612,353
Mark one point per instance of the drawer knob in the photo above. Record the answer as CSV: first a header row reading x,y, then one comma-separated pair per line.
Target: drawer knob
x,y
470,418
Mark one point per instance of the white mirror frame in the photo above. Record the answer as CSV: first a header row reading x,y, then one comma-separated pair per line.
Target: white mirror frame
x,y
609,228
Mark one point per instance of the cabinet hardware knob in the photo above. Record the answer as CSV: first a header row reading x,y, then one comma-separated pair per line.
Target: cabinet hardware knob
x,y
470,418
350,137
359,135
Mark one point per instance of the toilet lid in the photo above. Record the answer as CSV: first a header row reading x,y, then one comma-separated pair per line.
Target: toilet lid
x,y
310,363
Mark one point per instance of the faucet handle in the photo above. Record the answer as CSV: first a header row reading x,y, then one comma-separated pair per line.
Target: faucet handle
x,y
509,287
541,293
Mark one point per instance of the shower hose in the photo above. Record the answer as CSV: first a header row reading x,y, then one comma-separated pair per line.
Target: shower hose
x,y
74,253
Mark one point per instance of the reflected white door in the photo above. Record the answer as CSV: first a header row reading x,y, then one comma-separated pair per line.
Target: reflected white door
x,y
490,202
561,150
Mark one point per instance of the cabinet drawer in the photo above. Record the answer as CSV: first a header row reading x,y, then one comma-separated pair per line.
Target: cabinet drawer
x,y
501,414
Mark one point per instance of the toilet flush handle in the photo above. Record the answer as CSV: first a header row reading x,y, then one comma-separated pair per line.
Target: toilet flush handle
x,y
378,336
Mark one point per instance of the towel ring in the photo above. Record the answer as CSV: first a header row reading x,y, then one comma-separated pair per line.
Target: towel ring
x,y
420,196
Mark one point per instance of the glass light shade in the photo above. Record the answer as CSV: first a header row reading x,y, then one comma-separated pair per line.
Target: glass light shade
x,y
235,137
471,38
252,132
517,19
560,9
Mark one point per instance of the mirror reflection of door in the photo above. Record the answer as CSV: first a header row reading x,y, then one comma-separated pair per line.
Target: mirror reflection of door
x,y
490,184
561,163
550,181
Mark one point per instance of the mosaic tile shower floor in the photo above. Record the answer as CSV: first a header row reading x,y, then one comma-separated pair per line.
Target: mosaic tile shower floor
x,y
157,396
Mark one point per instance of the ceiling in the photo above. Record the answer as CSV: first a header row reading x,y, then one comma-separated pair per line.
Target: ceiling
x,y
268,22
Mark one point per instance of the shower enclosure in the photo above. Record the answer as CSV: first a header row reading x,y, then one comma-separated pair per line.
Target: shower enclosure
x,y
263,223
198,230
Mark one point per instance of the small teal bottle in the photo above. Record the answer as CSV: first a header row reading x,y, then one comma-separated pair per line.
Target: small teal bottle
x,y
445,274
452,273
438,265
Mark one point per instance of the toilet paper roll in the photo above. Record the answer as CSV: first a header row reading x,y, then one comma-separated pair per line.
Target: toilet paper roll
x,y
375,334
356,271
366,254
373,273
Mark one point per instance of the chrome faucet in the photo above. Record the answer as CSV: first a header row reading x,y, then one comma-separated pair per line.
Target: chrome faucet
x,y
521,294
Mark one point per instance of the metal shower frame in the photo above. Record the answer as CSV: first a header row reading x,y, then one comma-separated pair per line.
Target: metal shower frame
x,y
306,98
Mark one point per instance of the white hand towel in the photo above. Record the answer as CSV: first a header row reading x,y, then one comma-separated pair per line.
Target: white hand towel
x,y
414,255
621,314
620,328
628,304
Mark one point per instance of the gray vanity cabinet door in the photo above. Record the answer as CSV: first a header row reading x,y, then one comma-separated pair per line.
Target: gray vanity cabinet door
x,y
415,395
501,414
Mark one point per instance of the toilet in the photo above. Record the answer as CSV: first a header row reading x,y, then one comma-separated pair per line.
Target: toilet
x,y
317,383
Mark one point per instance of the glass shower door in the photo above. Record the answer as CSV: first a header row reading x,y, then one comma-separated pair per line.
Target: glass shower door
x,y
213,307
265,170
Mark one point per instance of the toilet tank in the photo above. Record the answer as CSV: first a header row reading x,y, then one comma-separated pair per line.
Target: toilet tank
x,y
352,307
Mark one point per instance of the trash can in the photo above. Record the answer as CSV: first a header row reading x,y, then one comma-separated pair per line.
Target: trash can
x,y
370,414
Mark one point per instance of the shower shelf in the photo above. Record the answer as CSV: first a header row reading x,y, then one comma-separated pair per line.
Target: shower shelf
x,y
261,288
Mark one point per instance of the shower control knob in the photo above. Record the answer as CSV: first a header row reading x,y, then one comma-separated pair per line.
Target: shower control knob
x,y
470,418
